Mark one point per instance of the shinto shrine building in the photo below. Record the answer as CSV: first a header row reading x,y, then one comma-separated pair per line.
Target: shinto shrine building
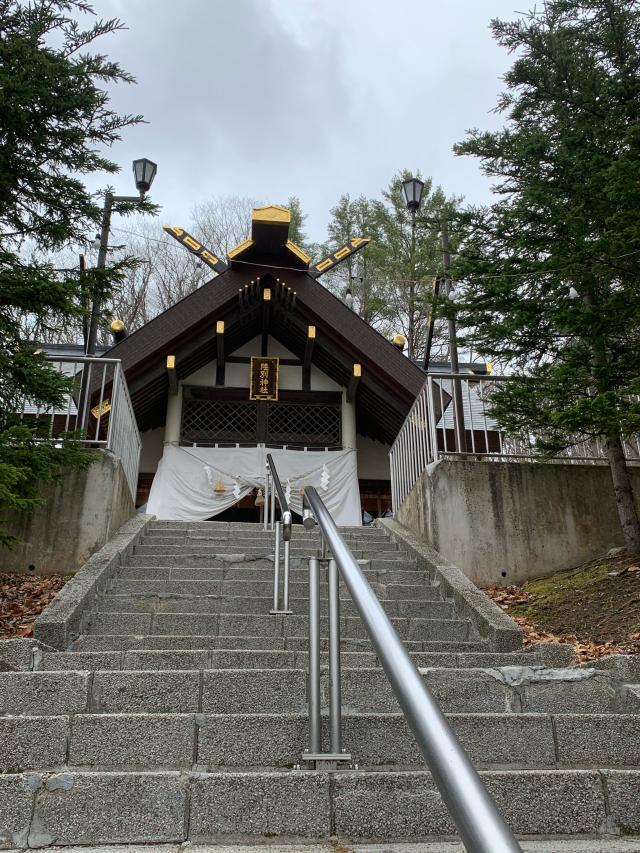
x,y
263,357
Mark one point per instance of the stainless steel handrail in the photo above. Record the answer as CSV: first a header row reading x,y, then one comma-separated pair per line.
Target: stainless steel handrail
x,y
282,500
481,826
284,527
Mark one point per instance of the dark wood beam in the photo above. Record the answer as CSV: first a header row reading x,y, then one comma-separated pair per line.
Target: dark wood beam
x,y
200,341
352,388
266,305
246,359
220,352
306,361
171,374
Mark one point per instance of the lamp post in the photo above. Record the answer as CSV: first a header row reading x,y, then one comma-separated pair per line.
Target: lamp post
x,y
412,190
144,172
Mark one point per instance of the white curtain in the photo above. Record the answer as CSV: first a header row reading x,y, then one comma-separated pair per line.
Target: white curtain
x,y
189,481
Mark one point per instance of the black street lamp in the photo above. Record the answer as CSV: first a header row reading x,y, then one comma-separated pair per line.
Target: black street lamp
x,y
144,172
412,189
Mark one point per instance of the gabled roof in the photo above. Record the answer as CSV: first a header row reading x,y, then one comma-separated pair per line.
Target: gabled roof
x,y
389,383
267,288
269,242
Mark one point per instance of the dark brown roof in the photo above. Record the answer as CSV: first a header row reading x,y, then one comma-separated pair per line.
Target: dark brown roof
x,y
389,384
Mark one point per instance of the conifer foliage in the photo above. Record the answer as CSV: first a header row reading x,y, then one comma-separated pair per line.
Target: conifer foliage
x,y
553,267
54,122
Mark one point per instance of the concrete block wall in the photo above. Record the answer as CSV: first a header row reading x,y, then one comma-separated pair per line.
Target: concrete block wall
x,y
507,522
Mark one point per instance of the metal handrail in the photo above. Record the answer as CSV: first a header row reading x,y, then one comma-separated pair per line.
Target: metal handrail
x,y
284,526
429,432
96,406
282,500
480,825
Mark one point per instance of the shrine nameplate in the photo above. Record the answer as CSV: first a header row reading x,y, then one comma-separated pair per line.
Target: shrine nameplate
x,y
264,377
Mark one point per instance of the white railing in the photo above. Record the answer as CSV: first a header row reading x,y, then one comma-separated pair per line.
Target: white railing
x,y
451,417
98,408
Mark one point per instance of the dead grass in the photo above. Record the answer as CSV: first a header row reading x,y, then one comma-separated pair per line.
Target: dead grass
x,y
595,607
22,598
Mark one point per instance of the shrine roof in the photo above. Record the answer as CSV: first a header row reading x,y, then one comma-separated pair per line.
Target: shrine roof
x,y
389,381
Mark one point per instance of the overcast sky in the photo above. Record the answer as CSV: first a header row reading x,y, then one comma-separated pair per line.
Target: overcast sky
x,y
314,98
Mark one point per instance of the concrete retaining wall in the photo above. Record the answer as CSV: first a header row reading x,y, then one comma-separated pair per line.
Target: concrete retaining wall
x,y
506,522
79,515
59,622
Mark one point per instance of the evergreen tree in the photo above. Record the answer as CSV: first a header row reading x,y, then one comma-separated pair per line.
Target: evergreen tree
x,y
297,233
360,272
391,280
55,118
410,259
555,287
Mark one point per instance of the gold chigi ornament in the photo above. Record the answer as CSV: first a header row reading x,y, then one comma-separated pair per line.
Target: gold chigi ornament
x,y
219,486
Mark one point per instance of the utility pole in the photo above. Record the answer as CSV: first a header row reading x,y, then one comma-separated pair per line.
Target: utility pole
x,y
458,411
92,336
144,172
412,287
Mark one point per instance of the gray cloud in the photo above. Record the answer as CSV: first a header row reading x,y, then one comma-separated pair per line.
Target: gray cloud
x,y
271,98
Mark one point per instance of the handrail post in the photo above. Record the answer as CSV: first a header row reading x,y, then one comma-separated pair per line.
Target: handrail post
x,y
315,740
285,584
265,508
336,755
335,686
273,504
276,570
282,527
432,421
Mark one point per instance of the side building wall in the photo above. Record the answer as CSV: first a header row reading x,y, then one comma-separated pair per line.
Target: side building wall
x,y
507,522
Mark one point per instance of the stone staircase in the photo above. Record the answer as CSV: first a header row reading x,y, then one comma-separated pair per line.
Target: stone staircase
x,y
179,712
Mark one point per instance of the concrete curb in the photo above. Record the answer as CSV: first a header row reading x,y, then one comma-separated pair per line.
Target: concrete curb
x,y
22,654
625,667
491,623
58,622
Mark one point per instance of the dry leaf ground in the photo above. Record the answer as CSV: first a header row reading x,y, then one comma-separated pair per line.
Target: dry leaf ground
x,y
22,598
595,607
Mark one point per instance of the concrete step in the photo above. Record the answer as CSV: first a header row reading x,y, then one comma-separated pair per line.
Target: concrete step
x,y
200,567
186,624
297,589
207,742
298,533
150,659
115,642
592,844
382,543
235,527
223,603
297,551
251,691
102,807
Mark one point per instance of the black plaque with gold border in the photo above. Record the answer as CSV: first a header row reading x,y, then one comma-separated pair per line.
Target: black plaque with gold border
x,y
265,373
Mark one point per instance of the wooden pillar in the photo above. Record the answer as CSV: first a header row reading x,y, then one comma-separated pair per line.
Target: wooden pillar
x,y
348,422
174,417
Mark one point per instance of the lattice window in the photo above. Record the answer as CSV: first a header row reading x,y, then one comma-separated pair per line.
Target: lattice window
x,y
210,421
304,424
